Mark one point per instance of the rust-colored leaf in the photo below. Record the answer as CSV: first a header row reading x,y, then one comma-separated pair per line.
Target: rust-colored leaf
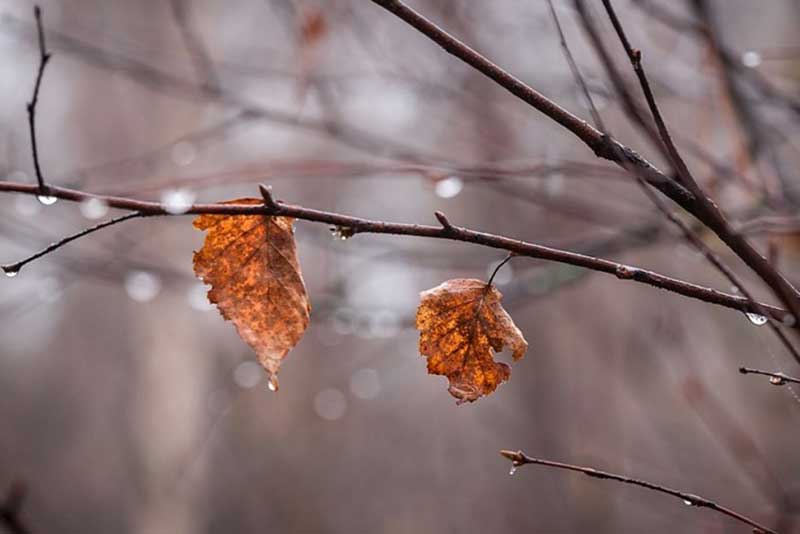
x,y
251,264
462,324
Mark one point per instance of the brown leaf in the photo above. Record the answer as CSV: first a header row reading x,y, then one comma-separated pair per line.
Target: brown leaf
x,y
462,324
251,264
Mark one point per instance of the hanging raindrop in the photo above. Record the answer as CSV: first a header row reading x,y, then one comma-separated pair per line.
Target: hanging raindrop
x,y
46,200
272,383
342,233
756,318
11,272
777,380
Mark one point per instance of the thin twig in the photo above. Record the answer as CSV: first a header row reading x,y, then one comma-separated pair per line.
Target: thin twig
x,y
454,233
519,458
12,269
776,379
576,73
44,57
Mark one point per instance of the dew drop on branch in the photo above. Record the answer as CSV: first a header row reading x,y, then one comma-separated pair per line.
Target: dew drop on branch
x,y
687,502
342,233
46,200
177,201
756,318
513,469
777,380
10,272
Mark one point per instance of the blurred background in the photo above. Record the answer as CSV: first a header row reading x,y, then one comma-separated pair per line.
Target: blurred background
x,y
128,405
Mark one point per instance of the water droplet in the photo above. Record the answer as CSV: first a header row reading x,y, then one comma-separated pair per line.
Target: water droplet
x,y
776,381
756,318
330,404
248,374
513,469
46,200
93,208
751,59
272,383
177,201
449,187
183,153
10,272
687,502
342,233
142,286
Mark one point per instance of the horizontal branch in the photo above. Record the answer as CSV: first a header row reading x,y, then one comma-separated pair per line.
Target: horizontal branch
x,y
519,458
357,225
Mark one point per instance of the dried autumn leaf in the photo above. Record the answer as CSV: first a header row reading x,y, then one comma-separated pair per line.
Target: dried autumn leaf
x,y
251,264
462,324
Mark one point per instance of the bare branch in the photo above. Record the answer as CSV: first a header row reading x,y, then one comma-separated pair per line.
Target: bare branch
x,y
359,225
519,458
44,57
576,73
